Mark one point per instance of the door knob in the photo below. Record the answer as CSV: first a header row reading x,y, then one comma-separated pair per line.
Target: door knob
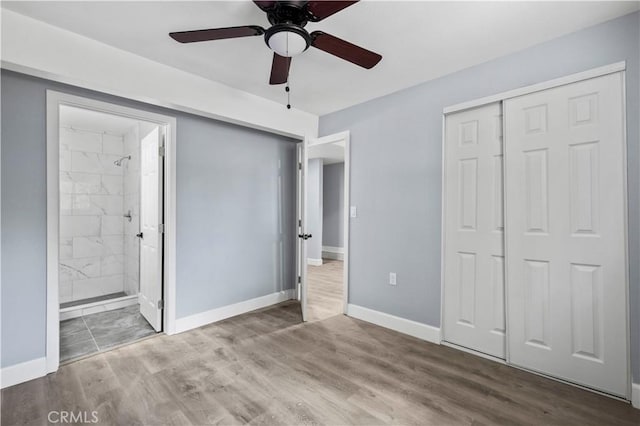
x,y
305,236
139,235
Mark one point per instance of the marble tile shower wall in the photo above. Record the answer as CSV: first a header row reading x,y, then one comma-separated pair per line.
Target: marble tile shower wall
x,y
132,204
91,215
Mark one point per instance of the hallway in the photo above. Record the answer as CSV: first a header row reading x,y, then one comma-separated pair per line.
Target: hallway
x,y
325,298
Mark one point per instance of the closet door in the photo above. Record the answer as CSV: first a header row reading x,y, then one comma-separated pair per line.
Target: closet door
x,y
565,233
473,247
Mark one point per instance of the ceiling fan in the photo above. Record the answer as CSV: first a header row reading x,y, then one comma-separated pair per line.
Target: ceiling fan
x,y
287,36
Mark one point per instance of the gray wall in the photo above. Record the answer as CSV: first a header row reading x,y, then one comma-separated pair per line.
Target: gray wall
x,y
333,205
314,208
396,168
235,212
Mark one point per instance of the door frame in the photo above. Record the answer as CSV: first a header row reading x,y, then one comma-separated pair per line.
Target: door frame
x,y
345,137
300,226
56,99
501,97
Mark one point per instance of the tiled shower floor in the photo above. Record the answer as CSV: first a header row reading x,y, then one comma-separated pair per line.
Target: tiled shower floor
x,y
97,332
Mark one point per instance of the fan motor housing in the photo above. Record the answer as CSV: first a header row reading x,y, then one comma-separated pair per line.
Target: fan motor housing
x,y
292,12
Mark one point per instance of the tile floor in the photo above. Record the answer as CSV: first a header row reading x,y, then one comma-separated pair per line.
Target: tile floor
x,y
97,332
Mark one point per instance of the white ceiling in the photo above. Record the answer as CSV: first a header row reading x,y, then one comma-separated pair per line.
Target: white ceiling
x,y
419,41
94,121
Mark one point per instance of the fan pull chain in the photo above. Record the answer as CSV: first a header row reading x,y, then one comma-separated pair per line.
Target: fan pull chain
x,y
286,89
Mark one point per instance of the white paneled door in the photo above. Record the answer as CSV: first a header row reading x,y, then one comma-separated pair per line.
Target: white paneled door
x,y
474,249
150,221
565,233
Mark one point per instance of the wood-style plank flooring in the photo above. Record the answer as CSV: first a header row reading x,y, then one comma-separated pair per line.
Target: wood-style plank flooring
x,y
265,367
324,294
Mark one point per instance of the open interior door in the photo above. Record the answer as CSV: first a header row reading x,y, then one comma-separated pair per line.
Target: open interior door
x,y
151,168
301,245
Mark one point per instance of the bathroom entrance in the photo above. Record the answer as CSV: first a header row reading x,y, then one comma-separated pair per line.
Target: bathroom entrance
x,y
111,228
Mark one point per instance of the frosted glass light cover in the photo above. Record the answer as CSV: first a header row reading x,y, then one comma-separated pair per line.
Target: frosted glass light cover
x,y
287,43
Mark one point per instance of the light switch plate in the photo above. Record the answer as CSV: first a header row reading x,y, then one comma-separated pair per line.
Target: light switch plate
x,y
392,278
354,211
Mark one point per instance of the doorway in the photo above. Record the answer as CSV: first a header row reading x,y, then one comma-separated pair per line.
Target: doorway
x,y
109,207
324,226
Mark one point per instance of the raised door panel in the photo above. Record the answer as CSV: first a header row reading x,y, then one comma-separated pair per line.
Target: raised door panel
x,y
587,325
468,193
497,204
584,176
536,187
537,321
498,325
467,288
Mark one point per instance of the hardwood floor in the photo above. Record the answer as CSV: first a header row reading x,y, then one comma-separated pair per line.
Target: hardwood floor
x,y
324,295
266,367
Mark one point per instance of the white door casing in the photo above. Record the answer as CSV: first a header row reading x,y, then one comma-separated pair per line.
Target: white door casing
x,y
301,227
565,233
150,221
473,312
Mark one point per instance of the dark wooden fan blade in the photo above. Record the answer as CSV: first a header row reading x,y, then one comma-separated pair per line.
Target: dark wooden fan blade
x,y
216,33
265,5
279,69
345,50
319,9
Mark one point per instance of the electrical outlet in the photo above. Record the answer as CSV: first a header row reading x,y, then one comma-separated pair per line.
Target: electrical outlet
x,y
392,278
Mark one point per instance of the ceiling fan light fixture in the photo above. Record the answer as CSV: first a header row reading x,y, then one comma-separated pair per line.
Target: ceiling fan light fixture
x,y
287,40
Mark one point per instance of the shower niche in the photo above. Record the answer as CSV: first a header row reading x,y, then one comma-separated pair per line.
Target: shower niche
x,y
99,251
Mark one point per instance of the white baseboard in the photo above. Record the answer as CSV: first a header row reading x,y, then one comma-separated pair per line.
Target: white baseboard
x,y
402,325
635,395
336,253
332,256
95,307
23,372
314,262
218,314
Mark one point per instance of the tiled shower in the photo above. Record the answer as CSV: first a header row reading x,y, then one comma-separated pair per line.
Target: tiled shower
x,y
99,213
131,199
